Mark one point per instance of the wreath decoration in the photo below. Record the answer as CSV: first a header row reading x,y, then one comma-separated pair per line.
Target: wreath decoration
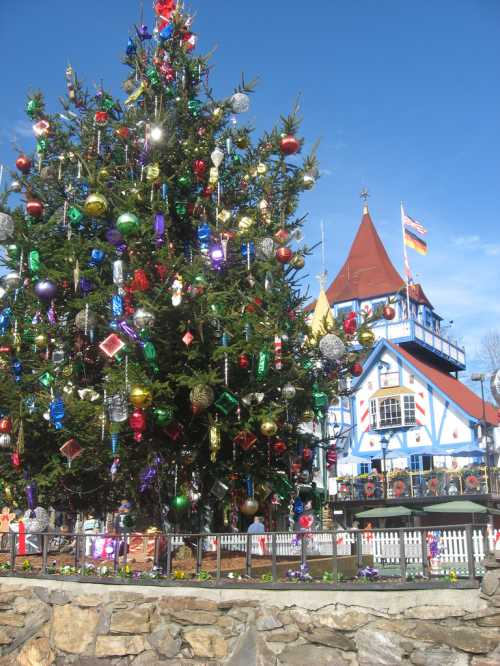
x,y
472,482
399,488
369,488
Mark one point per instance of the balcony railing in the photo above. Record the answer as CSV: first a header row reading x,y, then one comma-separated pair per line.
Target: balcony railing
x,y
414,330
436,483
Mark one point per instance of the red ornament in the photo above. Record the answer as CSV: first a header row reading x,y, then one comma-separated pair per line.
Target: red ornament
x,y
306,522
123,132
6,424
281,236
307,454
279,447
34,208
137,421
189,40
199,168
389,312
356,369
207,191
350,324
161,271
140,281
243,361
245,439
101,117
168,72
289,145
23,163
284,254
296,467
16,459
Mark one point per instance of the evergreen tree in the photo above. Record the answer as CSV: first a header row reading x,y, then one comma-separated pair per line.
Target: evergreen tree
x,y
152,327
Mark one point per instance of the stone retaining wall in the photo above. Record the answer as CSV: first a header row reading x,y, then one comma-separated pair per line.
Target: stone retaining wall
x,y
51,622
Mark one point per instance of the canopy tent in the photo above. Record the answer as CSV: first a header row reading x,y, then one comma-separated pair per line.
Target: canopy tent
x,y
463,506
387,512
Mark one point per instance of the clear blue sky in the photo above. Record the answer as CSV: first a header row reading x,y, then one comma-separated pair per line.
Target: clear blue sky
x,y
403,95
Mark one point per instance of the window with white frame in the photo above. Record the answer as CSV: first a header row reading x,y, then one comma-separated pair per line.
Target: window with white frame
x,y
394,411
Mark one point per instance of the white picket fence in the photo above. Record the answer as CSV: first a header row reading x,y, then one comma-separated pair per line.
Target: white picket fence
x,y
450,544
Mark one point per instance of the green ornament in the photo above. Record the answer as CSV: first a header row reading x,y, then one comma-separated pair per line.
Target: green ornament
x,y
307,364
107,104
127,224
47,379
320,399
263,364
163,415
149,352
153,76
13,251
181,209
75,216
180,503
32,107
184,181
195,106
226,403
34,261
41,145
236,158
169,92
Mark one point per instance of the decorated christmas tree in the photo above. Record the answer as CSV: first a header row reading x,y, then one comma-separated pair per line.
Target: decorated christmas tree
x,y
153,341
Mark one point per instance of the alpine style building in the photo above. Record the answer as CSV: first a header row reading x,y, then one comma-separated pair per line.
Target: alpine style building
x,y
411,432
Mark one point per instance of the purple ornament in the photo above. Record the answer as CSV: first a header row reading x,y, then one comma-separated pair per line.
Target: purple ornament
x,y
128,330
45,289
143,33
217,256
159,229
51,316
114,237
31,495
85,285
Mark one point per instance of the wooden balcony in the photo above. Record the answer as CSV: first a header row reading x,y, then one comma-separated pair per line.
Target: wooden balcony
x,y
399,485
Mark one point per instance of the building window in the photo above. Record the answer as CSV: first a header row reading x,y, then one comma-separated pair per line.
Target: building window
x,y
373,413
364,468
409,409
396,411
415,463
389,412
343,310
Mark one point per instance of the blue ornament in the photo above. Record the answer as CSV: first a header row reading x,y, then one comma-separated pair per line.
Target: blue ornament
x,y
247,248
56,410
5,316
131,48
114,442
204,233
249,485
298,506
117,306
167,31
17,369
96,257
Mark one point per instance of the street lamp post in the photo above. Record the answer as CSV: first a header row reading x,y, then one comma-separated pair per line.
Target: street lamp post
x,y
480,377
384,443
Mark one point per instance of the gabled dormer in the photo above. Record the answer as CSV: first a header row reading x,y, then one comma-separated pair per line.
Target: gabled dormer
x,y
368,279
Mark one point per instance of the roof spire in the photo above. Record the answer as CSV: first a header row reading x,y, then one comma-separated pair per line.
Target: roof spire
x,y
364,195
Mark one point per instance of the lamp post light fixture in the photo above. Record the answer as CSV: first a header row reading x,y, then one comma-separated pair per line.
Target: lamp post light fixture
x,y
480,377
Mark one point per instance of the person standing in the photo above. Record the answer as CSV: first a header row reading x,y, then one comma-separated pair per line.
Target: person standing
x,y
257,527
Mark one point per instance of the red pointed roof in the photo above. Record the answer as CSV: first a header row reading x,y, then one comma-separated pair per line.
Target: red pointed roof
x,y
417,294
368,271
453,388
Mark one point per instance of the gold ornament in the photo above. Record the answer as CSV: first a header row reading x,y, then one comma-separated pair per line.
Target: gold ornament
x,y
214,176
104,173
136,194
41,340
214,435
224,216
95,205
217,112
140,397
152,171
308,415
298,262
366,338
136,94
261,168
245,223
268,428
249,507
201,396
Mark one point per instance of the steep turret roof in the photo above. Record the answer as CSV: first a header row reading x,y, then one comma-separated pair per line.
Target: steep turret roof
x,y
368,271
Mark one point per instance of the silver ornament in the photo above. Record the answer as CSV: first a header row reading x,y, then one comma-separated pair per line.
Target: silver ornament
x,y
4,440
6,226
118,272
265,248
217,157
85,320
117,408
143,318
12,280
331,347
240,103
15,186
288,391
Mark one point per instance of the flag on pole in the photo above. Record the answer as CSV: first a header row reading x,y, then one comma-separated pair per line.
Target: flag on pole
x,y
416,243
413,224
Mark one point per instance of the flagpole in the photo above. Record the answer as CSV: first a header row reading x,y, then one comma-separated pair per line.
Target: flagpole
x,y
406,264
